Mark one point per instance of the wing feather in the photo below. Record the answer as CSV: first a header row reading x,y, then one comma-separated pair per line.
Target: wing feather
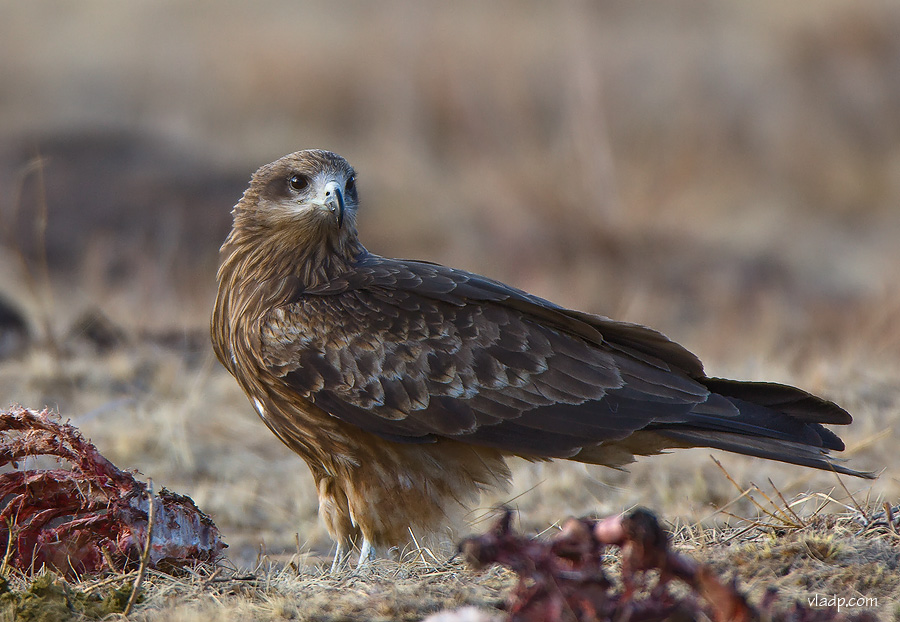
x,y
413,351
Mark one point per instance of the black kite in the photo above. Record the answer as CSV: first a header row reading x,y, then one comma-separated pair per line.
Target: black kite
x,y
403,384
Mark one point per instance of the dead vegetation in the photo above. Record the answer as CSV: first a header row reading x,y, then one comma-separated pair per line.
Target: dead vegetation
x,y
82,545
622,568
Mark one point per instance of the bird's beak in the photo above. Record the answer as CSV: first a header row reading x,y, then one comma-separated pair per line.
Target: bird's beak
x,y
334,200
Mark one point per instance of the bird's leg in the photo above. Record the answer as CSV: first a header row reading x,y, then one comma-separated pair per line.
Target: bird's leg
x,y
340,557
366,554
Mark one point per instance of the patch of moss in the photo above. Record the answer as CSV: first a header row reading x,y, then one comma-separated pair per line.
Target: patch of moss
x,y
50,599
116,600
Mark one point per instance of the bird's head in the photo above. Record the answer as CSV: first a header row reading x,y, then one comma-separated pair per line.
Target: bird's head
x,y
310,195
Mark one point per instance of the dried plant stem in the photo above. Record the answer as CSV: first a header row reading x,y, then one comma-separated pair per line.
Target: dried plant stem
x,y
38,281
145,556
889,515
786,505
850,494
87,589
4,568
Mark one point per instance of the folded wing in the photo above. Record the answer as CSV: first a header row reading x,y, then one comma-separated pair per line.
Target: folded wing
x,y
412,352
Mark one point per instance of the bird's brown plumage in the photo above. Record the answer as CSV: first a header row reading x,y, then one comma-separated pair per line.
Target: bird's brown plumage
x,y
403,384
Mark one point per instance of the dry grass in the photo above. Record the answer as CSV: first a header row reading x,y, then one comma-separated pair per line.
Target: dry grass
x,y
727,173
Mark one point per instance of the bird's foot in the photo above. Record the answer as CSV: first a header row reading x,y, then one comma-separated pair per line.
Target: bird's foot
x,y
341,558
367,554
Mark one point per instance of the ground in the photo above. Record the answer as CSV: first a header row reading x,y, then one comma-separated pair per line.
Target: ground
x,y
725,173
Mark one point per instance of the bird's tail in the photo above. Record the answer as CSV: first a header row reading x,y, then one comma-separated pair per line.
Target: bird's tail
x,y
775,421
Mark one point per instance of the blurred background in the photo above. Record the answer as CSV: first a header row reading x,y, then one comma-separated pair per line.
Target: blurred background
x,y
726,172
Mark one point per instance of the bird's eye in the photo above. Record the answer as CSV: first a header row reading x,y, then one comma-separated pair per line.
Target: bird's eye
x,y
299,182
350,186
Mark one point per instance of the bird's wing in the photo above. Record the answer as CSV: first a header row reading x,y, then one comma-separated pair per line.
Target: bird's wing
x,y
410,351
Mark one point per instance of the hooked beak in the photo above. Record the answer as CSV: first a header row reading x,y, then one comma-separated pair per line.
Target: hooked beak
x,y
334,201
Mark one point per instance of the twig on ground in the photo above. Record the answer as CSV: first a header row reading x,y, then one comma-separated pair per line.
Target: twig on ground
x,y
4,568
889,514
786,505
145,556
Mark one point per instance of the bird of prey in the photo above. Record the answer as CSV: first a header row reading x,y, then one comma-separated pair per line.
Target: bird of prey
x,y
405,384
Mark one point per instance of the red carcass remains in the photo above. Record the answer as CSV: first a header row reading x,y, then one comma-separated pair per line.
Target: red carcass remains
x,y
563,579
92,516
